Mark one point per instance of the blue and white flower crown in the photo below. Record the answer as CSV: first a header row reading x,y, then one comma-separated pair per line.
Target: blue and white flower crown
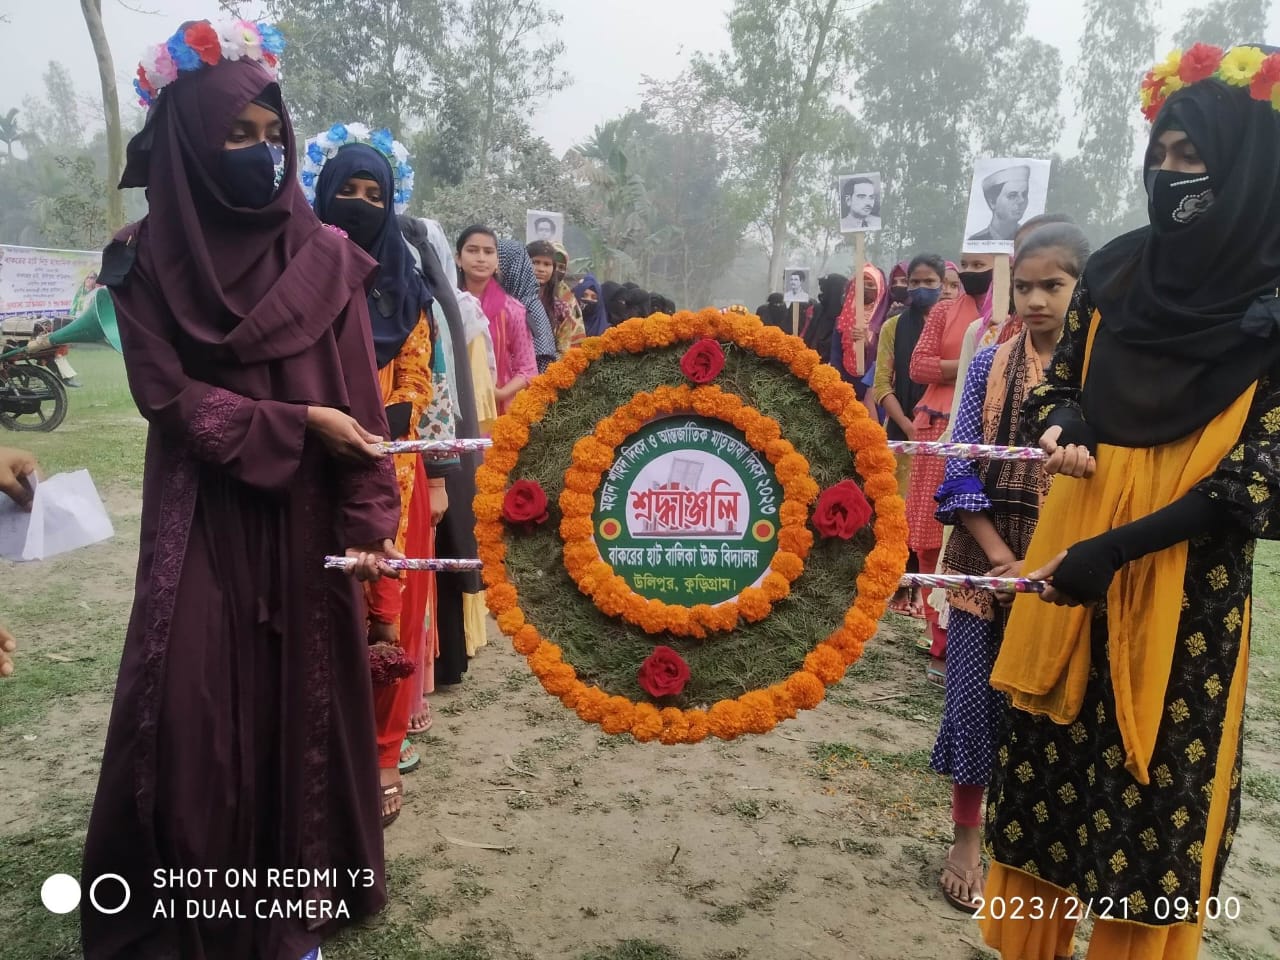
x,y
327,144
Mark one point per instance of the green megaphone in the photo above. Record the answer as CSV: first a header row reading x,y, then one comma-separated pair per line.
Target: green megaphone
x,y
97,324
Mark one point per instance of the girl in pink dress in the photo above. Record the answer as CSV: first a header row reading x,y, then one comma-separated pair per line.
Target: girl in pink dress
x,y
934,363
512,342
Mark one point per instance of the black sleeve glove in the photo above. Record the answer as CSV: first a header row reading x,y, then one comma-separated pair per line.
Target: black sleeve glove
x,y
1087,570
398,415
1074,428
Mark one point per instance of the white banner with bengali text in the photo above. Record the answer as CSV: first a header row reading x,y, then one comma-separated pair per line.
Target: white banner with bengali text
x,y
51,283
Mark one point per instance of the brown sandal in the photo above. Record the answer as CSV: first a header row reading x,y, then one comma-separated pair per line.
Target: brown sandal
x,y
390,792
970,878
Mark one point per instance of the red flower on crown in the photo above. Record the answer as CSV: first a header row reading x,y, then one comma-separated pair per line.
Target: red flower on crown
x,y
142,79
203,39
1265,80
1200,63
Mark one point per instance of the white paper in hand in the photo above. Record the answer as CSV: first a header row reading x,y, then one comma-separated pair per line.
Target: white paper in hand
x,y
67,514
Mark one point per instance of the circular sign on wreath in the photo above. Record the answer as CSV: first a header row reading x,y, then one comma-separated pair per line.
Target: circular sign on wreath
x,y
688,513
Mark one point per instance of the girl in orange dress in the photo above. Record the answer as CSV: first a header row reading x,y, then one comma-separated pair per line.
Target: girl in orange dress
x,y
356,192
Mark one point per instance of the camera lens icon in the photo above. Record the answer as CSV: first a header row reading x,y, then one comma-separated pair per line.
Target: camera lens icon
x,y
60,893
113,885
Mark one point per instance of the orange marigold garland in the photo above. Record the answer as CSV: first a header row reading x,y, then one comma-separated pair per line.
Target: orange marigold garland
x,y
756,711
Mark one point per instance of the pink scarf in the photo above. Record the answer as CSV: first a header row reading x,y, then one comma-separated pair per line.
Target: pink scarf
x,y
494,304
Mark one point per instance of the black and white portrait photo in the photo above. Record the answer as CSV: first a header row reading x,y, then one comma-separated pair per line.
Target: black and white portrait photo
x,y
544,225
795,285
1005,194
859,202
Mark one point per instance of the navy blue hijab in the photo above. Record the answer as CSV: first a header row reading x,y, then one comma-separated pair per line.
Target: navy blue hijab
x,y
400,294
597,320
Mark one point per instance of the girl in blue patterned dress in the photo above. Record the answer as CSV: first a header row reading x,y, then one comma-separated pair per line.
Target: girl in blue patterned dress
x,y
993,506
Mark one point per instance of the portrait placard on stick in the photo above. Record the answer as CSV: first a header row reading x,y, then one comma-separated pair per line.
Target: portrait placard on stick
x,y
859,202
1006,192
795,285
544,225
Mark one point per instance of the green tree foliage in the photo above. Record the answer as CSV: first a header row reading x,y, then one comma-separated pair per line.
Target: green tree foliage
x,y
523,174
1224,23
965,81
659,209
360,60
1119,38
10,131
56,192
788,61
58,118
504,55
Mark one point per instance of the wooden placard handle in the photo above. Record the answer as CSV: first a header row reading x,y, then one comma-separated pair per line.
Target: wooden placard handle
x,y
860,308
1000,284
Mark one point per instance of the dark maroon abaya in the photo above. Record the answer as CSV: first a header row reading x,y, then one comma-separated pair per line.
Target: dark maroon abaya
x,y
241,738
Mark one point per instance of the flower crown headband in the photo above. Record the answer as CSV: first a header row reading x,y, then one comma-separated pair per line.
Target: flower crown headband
x,y
323,146
1239,67
203,44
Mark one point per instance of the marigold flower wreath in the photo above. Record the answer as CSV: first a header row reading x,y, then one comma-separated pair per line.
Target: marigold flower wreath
x,y
528,437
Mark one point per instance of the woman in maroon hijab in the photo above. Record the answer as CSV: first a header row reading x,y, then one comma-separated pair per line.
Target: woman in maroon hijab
x,y
241,738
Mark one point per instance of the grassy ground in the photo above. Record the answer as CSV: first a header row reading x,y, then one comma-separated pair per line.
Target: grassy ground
x,y
821,840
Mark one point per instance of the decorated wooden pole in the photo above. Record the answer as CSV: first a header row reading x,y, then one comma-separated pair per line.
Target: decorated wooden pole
x,y
1000,284
860,321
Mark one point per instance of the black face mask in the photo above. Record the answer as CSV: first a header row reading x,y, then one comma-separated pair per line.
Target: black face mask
x,y
1176,200
589,308
924,298
251,177
898,294
976,283
361,220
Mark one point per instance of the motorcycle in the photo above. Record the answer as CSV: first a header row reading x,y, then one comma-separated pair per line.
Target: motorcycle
x,y
31,397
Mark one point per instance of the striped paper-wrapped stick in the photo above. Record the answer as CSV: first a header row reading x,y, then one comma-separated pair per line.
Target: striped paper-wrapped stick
x,y
964,451
435,448
998,584
438,564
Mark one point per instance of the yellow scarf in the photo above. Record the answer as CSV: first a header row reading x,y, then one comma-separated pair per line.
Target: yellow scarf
x,y
1044,659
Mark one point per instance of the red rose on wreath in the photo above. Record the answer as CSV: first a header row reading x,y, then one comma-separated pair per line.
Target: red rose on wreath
x,y
842,511
663,673
703,361
525,504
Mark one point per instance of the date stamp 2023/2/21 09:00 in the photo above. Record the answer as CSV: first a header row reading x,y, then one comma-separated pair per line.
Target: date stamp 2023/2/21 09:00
x,y
1164,910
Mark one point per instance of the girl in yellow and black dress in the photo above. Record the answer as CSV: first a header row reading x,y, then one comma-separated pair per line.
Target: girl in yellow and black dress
x,y
1118,778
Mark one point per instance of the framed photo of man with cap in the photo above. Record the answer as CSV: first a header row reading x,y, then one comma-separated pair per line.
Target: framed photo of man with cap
x,y
1006,192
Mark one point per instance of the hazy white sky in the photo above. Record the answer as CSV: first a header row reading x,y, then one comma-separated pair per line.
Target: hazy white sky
x,y
610,46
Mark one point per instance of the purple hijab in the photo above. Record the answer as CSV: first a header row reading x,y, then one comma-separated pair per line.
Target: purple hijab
x,y
242,286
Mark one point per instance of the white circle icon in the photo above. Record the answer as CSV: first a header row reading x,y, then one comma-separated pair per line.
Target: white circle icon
x,y
93,893
60,893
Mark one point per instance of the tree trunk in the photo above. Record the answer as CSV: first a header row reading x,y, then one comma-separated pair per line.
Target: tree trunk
x,y
792,158
390,35
110,112
778,228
